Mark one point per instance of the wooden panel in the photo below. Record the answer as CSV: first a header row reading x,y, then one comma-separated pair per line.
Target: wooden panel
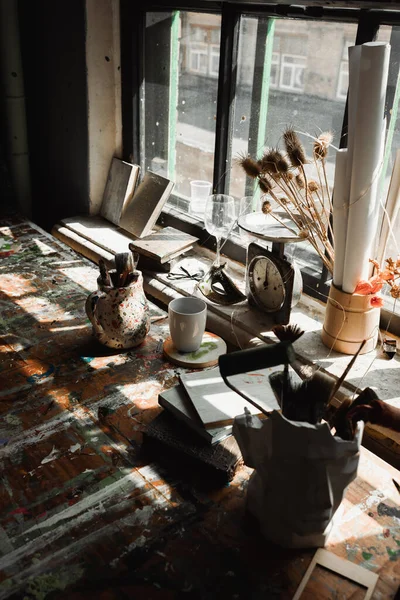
x,y
141,213
120,187
82,245
99,231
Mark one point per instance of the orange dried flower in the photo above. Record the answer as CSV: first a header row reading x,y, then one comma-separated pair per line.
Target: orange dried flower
x,y
376,301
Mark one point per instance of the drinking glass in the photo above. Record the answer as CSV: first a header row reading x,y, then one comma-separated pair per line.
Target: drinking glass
x,y
219,218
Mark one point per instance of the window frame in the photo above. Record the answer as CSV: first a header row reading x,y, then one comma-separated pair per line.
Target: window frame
x,y
132,26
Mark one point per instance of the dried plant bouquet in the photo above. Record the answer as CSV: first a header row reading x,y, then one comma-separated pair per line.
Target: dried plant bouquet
x,y
282,177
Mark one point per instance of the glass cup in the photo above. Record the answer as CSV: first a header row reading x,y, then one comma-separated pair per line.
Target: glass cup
x,y
219,218
199,192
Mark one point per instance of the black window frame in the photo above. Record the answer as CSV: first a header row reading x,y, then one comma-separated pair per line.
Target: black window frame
x,y
368,21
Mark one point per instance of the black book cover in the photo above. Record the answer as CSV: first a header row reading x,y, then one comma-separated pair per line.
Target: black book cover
x,y
172,443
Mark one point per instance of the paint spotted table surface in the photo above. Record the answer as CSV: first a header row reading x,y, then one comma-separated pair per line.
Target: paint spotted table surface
x,y
84,513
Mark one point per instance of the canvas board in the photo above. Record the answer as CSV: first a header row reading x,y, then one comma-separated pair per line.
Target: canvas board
x,y
141,213
343,567
120,187
218,405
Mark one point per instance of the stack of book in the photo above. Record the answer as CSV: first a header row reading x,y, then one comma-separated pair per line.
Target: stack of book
x,y
160,248
196,423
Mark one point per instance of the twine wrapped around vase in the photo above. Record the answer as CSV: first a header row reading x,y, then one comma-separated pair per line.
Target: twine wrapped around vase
x,y
350,319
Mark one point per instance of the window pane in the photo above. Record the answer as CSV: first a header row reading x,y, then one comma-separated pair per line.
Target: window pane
x,y
392,35
300,90
180,96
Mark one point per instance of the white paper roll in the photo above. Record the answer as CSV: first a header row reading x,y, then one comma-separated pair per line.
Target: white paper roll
x,y
366,162
340,211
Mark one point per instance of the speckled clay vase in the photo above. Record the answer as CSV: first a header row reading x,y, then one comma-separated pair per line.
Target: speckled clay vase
x,y
120,316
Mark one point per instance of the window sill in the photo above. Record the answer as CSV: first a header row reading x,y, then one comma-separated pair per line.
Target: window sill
x,y
244,326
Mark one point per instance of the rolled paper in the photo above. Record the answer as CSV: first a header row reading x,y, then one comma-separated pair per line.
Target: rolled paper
x,y
366,162
354,75
390,212
340,211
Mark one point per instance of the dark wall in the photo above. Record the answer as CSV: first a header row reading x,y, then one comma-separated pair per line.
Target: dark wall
x,y
54,62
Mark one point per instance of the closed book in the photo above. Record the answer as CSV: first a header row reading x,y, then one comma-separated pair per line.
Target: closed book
x,y
141,213
164,244
186,454
176,402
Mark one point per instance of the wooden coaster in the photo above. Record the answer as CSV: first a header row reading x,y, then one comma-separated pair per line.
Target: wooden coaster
x,y
211,347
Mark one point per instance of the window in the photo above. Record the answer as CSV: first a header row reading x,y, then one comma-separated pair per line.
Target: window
x,y
292,72
198,58
196,119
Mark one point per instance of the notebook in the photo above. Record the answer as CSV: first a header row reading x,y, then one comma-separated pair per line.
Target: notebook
x,y
176,401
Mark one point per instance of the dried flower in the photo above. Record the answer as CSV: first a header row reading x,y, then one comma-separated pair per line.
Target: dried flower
x,y
300,181
376,301
390,275
266,207
250,166
265,185
321,145
294,148
283,176
313,186
372,286
395,291
274,162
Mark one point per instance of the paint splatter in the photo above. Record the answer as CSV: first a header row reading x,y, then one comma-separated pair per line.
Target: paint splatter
x,y
204,349
40,376
75,448
393,554
388,511
52,456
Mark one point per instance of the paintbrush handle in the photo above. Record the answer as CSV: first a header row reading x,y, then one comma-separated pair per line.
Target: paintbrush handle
x,y
122,266
104,274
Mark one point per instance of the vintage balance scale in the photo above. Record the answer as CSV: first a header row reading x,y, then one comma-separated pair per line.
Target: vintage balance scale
x,y
273,283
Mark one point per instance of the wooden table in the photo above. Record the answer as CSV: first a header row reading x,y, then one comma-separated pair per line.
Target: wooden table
x,y
84,515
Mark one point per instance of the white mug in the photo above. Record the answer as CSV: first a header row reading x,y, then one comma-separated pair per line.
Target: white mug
x,y
187,322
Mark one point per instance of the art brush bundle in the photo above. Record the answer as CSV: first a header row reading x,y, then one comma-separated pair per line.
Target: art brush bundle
x,y
124,273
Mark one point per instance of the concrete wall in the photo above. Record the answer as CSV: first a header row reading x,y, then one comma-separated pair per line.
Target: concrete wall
x,y
70,53
53,54
104,93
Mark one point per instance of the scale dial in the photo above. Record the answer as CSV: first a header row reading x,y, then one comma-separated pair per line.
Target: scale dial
x,y
266,284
